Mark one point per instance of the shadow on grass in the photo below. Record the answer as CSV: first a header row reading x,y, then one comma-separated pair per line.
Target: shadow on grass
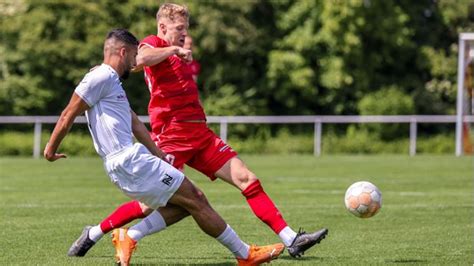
x,y
303,258
406,261
177,263
169,261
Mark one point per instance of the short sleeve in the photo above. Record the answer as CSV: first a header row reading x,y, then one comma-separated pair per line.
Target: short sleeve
x,y
152,41
92,87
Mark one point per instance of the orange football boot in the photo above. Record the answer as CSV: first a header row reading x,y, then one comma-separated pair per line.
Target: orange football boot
x,y
259,255
124,246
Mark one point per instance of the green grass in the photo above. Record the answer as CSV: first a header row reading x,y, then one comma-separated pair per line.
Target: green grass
x,y
426,216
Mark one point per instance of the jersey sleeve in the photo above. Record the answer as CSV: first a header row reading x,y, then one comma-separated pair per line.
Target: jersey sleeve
x,y
152,41
92,88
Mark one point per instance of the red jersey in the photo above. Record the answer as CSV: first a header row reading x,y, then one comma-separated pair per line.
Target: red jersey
x,y
193,68
173,92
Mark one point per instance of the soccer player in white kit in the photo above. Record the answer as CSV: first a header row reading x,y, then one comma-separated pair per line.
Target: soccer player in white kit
x,y
139,169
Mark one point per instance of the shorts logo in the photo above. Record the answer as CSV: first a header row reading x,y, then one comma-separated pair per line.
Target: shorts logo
x,y
168,180
121,97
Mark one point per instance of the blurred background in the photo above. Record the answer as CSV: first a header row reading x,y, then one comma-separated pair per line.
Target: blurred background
x,y
301,57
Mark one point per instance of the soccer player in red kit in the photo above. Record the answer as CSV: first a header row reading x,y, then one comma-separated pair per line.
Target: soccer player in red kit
x,y
179,128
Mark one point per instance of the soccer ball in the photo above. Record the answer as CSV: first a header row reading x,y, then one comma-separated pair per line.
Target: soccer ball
x,y
363,199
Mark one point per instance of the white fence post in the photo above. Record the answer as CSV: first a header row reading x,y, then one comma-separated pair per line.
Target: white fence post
x,y
223,129
317,121
413,132
460,94
37,140
317,137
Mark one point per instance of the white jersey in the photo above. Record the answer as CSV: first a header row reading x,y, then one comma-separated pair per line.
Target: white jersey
x,y
109,117
131,167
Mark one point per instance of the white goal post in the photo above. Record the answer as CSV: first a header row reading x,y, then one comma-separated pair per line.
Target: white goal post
x,y
465,57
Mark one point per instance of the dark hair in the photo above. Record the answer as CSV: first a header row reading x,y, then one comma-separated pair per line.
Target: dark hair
x,y
122,35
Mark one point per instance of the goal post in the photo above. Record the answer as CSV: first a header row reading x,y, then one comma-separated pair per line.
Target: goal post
x,y
465,58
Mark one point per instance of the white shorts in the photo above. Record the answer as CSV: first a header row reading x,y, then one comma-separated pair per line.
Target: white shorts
x,y
143,176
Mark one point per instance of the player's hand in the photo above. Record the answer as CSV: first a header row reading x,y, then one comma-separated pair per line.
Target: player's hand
x,y
185,54
170,158
54,156
51,155
137,68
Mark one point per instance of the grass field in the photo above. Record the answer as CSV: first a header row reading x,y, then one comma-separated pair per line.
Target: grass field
x,y
426,218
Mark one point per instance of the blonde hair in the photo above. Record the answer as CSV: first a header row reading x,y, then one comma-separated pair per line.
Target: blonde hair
x,y
172,11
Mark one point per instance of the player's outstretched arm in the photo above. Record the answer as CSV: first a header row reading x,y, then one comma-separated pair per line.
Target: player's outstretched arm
x,y
76,107
141,133
148,56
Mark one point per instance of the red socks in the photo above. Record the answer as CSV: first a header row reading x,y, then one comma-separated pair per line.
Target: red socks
x,y
263,207
259,202
124,214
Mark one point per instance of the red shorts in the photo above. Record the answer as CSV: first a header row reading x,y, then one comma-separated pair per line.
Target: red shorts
x,y
194,144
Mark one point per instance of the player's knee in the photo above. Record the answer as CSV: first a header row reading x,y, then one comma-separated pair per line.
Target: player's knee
x,y
245,178
145,209
201,199
198,200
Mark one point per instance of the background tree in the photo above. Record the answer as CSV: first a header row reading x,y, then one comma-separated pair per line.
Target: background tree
x,y
300,57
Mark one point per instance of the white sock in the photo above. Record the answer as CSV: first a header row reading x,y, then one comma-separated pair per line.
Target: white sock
x,y
151,224
95,233
232,241
287,235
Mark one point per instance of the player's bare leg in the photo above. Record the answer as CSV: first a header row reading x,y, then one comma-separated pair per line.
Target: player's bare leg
x,y
173,213
194,202
236,173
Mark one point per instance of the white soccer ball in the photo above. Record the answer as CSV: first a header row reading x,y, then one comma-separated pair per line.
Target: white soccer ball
x,y
363,199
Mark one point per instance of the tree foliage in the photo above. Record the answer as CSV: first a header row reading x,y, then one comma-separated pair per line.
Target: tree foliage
x,y
301,57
